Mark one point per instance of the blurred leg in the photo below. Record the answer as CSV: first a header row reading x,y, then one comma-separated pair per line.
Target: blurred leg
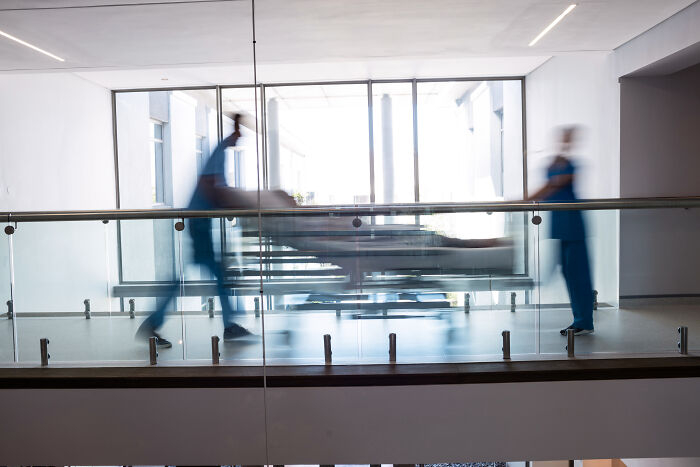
x,y
579,284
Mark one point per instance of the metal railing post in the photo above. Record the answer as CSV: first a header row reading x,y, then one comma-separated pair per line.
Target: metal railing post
x,y
327,353
570,343
512,301
256,300
132,308
506,344
210,307
467,305
392,347
44,349
595,299
683,343
86,302
215,354
10,309
153,350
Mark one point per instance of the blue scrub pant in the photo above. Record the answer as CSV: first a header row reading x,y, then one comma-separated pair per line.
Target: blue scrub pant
x,y
577,274
200,231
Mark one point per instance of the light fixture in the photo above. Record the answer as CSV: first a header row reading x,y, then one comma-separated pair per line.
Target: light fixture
x,y
27,44
552,24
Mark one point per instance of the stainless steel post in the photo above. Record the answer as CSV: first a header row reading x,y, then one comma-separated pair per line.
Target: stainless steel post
x,y
683,343
44,347
512,301
86,302
215,350
506,345
132,308
595,299
392,347
327,349
256,300
10,309
210,307
153,350
570,343
467,305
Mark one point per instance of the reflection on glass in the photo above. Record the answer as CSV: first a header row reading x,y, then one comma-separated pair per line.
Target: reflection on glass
x,y
317,146
470,141
242,162
393,142
162,138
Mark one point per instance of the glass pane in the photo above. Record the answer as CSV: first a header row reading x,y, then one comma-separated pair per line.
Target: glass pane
x,y
74,301
242,162
447,295
579,286
7,353
392,105
223,302
470,140
158,162
317,142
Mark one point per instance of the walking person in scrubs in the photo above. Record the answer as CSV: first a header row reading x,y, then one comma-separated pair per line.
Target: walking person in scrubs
x,y
568,227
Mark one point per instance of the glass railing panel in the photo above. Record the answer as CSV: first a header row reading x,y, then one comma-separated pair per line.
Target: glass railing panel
x,y
147,286
658,286
62,291
308,287
7,323
221,292
578,263
443,288
642,285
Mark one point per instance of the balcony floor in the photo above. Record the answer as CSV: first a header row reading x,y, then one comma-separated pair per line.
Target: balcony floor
x,y
434,335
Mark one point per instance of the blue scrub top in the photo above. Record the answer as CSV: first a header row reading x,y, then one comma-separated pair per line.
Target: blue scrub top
x,y
566,225
214,167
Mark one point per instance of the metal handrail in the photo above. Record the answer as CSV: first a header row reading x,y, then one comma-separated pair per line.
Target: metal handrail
x,y
357,210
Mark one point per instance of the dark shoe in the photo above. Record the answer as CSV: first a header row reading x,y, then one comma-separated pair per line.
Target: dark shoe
x,y
146,332
563,331
234,332
577,331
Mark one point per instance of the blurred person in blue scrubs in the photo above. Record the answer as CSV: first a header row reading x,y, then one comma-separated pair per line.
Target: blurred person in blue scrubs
x,y
211,192
568,227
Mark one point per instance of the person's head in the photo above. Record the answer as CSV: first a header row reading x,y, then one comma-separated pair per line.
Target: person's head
x,y
567,137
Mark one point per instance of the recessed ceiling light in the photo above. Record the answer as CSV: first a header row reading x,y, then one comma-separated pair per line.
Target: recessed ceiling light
x,y
27,44
552,24
164,79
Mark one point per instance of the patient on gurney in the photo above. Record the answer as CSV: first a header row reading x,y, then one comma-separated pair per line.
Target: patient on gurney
x,y
336,239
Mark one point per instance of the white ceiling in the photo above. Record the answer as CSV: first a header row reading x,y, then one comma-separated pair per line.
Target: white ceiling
x,y
134,44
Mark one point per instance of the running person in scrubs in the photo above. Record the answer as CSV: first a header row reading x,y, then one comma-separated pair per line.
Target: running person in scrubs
x,y
568,227
210,193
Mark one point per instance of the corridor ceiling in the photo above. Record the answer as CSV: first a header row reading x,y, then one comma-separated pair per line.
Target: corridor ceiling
x,y
207,40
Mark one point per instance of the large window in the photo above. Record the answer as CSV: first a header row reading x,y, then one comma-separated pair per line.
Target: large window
x,y
317,142
392,112
430,141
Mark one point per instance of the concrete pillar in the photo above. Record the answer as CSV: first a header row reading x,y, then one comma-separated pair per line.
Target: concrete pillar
x,y
273,145
387,150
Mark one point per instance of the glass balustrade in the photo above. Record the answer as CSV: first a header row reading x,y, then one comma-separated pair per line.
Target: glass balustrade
x,y
444,280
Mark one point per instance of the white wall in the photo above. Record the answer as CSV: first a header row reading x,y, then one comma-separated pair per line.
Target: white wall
x,y
55,143
660,148
56,154
678,32
578,89
351,425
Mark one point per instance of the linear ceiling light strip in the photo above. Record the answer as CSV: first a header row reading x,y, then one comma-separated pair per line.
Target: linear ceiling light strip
x,y
552,24
27,44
